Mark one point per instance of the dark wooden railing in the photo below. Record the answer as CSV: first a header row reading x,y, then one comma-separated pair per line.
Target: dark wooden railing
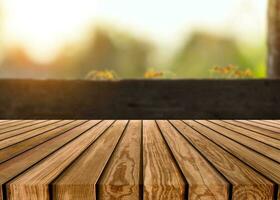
x,y
140,99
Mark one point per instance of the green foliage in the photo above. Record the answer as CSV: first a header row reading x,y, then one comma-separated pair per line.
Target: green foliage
x,y
107,51
203,50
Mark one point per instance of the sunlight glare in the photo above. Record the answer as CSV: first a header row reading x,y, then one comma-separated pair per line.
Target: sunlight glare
x,y
43,26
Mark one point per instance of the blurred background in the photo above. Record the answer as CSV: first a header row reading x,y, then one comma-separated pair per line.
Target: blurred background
x,y
109,39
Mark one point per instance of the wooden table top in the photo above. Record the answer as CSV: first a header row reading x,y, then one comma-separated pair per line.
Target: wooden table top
x,y
139,159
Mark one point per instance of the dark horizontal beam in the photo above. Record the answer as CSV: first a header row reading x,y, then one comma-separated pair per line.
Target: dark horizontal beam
x,y
140,99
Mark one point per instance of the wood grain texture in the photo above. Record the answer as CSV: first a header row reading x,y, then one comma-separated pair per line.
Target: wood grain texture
x,y
226,99
18,138
22,162
30,127
75,183
273,39
129,160
253,144
260,163
272,123
121,178
255,129
10,123
251,134
204,181
162,178
20,147
18,125
266,127
33,184
246,183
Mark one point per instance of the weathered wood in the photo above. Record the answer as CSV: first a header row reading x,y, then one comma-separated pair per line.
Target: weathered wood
x,y
274,38
255,129
262,148
20,147
11,123
271,122
162,178
260,163
22,162
34,126
204,181
265,127
17,138
251,134
163,99
190,159
35,182
266,123
18,125
122,176
246,183
81,184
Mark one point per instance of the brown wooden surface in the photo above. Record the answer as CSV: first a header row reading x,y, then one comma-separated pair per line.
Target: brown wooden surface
x,y
129,160
121,178
162,178
12,123
203,179
273,39
261,125
124,99
246,183
253,128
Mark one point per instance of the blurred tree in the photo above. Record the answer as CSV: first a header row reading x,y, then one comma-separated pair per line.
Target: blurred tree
x,y
105,49
203,51
100,53
274,39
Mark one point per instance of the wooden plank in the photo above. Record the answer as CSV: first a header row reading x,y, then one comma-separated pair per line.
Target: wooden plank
x,y
162,178
8,123
16,124
45,99
20,147
34,183
75,183
268,122
260,163
18,138
254,128
204,181
276,130
265,123
253,144
256,136
275,122
34,126
246,183
22,162
23,124
121,178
